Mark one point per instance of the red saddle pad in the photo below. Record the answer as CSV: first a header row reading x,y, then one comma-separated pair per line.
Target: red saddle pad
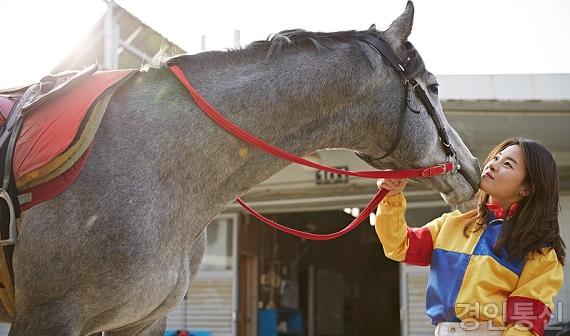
x,y
48,132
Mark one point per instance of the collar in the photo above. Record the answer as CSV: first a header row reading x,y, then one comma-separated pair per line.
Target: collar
x,y
500,213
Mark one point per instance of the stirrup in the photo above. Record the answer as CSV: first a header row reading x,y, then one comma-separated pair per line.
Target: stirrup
x,y
12,230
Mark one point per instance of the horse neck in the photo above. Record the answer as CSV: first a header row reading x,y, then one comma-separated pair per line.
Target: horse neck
x,y
294,103
297,106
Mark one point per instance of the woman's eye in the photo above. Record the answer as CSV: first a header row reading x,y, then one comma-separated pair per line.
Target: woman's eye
x,y
508,164
434,88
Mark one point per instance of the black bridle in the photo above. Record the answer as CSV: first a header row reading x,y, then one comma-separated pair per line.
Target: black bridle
x,y
379,43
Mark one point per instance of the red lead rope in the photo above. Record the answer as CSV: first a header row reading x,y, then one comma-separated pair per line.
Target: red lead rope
x,y
313,236
245,136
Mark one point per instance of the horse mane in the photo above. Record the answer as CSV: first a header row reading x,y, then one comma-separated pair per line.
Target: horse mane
x,y
300,39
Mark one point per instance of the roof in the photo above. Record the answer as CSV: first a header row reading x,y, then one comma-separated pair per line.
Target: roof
x,y
137,43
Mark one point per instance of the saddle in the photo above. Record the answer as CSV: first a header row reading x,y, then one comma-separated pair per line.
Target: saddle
x,y
46,135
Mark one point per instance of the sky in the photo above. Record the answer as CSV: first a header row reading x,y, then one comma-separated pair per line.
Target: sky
x,y
453,36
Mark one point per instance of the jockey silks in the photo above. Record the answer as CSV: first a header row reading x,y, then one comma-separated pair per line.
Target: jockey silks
x,y
468,281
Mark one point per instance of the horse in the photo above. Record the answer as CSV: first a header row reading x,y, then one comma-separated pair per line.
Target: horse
x,y
118,250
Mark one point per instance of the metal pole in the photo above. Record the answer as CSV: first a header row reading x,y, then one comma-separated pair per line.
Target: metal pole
x,y
110,38
237,43
185,320
311,306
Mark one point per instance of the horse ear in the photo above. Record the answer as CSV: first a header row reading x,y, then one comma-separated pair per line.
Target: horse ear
x,y
401,28
372,27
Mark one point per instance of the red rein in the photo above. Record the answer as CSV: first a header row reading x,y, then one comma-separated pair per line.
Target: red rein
x,y
260,144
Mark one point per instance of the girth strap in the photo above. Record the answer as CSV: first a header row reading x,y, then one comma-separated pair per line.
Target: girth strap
x,y
9,208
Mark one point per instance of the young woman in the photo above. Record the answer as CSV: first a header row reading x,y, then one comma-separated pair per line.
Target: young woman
x,y
496,269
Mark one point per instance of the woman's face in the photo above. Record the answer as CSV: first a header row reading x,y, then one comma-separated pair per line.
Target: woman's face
x,y
503,176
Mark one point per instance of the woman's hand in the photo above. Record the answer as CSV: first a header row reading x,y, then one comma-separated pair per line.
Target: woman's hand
x,y
394,185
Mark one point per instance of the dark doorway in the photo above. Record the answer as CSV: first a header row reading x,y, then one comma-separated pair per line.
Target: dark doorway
x,y
341,287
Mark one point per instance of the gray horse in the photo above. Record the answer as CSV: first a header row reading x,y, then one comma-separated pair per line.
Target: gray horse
x,y
118,250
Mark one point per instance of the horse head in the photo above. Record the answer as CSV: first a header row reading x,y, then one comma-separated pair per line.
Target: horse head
x,y
416,140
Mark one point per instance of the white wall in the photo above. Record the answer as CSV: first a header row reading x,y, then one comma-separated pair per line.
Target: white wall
x,y
505,87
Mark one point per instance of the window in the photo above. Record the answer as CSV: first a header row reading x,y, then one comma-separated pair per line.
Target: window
x,y
219,246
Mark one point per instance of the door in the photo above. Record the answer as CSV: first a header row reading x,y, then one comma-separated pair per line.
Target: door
x,y
247,298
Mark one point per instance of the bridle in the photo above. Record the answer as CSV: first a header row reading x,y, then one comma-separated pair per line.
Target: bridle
x,y
386,51
379,44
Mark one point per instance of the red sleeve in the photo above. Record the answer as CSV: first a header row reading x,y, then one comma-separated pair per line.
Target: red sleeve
x,y
420,246
532,313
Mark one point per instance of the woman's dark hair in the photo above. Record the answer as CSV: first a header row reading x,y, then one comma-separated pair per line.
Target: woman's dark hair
x,y
535,225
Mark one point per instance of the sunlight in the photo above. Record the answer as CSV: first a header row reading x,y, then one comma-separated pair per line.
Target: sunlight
x,y
41,33
44,33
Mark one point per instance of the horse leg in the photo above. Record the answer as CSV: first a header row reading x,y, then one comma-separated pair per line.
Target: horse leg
x,y
46,320
152,328
58,319
157,327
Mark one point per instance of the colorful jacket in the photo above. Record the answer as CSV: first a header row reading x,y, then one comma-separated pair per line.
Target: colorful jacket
x,y
468,281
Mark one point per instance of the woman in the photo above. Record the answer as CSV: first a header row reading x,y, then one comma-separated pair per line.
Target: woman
x,y
493,270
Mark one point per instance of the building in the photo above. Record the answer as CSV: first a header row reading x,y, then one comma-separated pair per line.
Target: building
x,y
119,40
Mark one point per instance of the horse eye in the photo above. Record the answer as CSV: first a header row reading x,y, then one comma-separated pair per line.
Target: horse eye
x,y
433,88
